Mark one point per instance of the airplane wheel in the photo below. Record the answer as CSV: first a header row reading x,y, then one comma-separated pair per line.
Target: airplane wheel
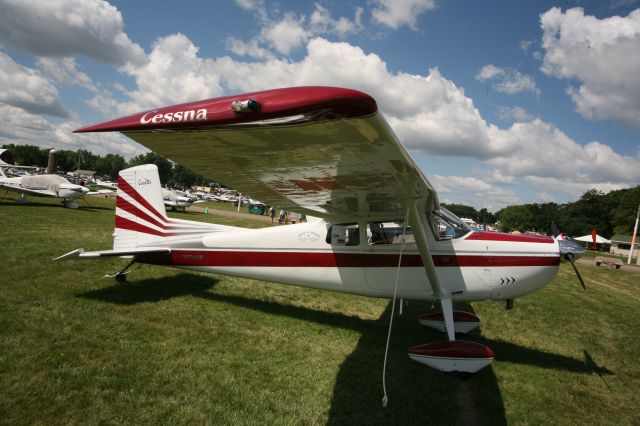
x,y
121,277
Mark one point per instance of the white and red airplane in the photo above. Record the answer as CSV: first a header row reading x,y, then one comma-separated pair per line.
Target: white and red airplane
x,y
328,153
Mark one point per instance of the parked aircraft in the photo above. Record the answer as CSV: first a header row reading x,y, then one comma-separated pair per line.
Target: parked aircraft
x,y
177,200
329,153
44,186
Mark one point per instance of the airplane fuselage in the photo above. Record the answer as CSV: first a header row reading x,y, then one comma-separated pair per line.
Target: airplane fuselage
x,y
477,266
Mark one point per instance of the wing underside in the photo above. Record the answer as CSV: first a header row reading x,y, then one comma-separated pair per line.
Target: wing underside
x,y
330,168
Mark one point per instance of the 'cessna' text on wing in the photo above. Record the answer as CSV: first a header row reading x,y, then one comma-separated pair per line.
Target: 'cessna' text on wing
x,y
174,117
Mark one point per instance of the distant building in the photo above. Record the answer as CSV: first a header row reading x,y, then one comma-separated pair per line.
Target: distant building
x,y
621,244
84,174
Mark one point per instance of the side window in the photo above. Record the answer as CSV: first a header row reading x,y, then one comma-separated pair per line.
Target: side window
x,y
344,234
389,232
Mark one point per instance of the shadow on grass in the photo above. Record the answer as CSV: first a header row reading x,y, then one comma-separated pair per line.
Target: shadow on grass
x,y
417,395
153,290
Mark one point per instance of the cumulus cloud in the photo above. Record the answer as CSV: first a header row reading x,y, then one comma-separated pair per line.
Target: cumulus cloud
x,y
602,54
473,191
66,72
24,128
173,73
507,80
515,113
28,89
397,13
291,31
287,34
539,149
93,28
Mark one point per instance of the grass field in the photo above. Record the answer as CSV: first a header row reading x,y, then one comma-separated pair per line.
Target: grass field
x,y
181,348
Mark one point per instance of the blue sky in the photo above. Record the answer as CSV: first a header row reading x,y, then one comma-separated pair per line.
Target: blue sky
x,y
499,102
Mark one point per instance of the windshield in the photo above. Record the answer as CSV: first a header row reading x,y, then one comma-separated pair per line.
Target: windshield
x,y
448,226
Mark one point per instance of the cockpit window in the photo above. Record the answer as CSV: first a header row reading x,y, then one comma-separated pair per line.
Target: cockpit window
x,y
448,226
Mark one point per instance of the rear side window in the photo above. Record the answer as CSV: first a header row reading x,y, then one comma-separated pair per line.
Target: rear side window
x,y
344,234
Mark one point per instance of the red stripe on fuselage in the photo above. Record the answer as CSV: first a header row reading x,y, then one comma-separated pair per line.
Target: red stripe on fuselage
x,y
227,258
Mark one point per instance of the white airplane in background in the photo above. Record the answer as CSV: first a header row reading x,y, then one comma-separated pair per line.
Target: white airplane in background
x,y
177,200
329,153
44,186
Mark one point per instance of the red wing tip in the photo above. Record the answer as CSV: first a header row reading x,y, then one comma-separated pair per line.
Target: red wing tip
x,y
453,349
273,104
458,316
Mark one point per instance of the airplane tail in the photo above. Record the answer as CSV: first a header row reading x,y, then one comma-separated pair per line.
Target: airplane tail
x,y
141,219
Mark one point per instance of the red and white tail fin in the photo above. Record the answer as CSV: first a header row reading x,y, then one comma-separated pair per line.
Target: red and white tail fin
x,y
141,219
140,214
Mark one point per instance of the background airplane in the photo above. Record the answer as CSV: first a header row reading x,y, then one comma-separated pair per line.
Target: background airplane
x,y
177,200
323,152
44,186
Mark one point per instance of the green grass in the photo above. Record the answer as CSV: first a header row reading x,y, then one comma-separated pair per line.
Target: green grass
x,y
180,348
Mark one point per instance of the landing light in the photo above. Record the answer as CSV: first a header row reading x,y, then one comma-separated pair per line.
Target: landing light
x,y
249,105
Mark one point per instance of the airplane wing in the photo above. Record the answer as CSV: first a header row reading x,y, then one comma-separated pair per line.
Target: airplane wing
x,y
38,192
321,151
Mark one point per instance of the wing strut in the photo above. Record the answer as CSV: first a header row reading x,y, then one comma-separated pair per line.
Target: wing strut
x,y
417,224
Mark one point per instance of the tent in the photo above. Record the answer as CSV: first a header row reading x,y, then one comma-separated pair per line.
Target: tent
x,y
589,239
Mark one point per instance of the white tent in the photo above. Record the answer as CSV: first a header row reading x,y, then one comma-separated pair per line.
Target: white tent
x,y
589,239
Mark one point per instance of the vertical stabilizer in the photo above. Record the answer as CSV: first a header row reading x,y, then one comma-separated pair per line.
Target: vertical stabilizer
x,y
140,213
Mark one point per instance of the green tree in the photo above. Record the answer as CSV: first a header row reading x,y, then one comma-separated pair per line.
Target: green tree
x,y
515,218
28,155
110,165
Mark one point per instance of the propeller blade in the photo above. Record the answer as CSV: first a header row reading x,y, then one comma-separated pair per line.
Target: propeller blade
x,y
575,268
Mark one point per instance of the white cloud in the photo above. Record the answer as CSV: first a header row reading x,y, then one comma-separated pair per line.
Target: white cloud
x,y
573,188
397,13
290,32
472,191
507,80
602,54
322,22
23,128
539,149
65,71
515,113
286,35
92,28
251,48
525,45
173,73
28,89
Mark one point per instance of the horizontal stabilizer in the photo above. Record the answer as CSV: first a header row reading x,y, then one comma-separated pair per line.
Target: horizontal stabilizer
x,y
80,253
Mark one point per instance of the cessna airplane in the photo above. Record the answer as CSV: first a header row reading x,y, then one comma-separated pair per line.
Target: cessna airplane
x,y
44,186
328,153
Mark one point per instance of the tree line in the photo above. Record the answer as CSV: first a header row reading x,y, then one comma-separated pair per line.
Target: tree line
x,y
612,213
107,166
609,214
